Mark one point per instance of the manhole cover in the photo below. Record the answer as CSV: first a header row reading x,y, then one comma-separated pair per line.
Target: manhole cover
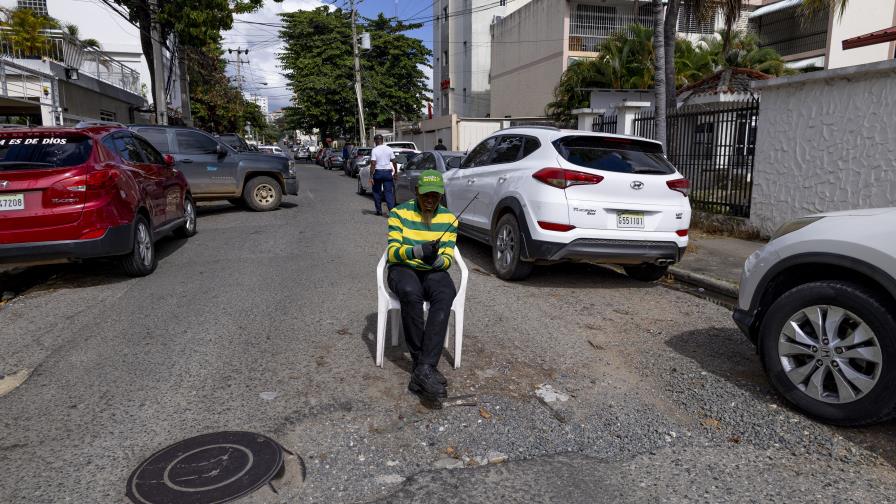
x,y
206,469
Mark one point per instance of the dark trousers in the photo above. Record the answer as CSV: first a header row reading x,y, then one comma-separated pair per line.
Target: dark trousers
x,y
413,288
383,183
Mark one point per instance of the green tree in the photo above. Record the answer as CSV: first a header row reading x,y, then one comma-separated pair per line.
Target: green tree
x,y
625,61
815,6
195,23
216,104
26,30
317,60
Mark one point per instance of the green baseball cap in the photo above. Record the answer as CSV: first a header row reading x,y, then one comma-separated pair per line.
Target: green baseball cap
x,y
430,181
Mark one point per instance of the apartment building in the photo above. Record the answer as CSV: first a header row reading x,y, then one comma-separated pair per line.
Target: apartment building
x,y
462,54
817,41
533,46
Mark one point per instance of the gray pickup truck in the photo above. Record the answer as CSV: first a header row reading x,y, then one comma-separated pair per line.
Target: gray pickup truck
x,y
217,171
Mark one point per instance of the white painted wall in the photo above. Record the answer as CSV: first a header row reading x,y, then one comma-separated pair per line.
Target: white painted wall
x,y
825,142
468,65
528,54
860,18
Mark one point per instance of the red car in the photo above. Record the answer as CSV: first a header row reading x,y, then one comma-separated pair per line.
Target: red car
x,y
94,190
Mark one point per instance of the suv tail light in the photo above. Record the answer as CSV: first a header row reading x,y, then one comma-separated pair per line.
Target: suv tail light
x,y
680,185
68,191
561,178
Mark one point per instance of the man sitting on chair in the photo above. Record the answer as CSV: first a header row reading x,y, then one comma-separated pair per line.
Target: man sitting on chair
x,y
418,272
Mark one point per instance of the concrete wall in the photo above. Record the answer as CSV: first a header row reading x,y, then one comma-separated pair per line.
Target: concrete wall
x,y
528,56
467,41
860,18
825,142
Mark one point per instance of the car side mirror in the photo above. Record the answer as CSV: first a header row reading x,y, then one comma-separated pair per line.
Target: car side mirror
x,y
169,160
221,150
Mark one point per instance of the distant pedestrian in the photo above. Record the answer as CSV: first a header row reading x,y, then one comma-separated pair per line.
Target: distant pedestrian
x,y
382,175
440,146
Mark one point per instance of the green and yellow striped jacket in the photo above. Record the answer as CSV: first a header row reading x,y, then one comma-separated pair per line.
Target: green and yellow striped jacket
x,y
406,229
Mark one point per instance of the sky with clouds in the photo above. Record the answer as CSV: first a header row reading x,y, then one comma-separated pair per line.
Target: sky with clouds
x,y
264,44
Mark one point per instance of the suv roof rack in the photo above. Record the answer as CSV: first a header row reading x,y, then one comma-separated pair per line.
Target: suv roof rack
x,y
534,126
91,124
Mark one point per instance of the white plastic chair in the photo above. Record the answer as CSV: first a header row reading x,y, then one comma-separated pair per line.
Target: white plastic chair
x,y
389,310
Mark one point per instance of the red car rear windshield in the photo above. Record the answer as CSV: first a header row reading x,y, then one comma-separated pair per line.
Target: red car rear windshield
x,y
621,155
36,151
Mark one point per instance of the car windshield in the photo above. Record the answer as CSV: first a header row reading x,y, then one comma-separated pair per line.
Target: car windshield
x,y
42,151
623,155
401,158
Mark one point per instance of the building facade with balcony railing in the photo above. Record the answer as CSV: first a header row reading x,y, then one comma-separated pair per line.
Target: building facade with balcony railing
x,y
64,82
533,46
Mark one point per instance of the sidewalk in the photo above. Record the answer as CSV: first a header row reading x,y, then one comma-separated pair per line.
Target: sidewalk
x,y
714,262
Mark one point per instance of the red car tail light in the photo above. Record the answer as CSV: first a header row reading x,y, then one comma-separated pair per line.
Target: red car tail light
x,y
68,191
93,234
680,185
682,232
553,226
561,178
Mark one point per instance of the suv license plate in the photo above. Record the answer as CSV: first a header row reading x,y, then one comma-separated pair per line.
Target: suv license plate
x,y
12,202
630,220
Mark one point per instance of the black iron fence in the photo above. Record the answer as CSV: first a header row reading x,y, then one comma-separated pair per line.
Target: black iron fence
x,y
713,146
604,124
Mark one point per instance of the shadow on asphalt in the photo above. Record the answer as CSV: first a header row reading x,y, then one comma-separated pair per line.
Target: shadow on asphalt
x,y
561,275
223,208
90,273
725,352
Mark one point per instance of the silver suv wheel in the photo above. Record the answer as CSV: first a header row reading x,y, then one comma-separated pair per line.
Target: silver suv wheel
x,y
830,354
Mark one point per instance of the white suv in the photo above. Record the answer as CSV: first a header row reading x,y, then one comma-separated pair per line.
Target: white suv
x,y
819,302
544,194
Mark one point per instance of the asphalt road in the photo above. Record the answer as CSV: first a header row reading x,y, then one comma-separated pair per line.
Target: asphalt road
x,y
262,322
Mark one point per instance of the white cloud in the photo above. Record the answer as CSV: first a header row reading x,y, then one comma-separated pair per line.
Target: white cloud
x,y
264,45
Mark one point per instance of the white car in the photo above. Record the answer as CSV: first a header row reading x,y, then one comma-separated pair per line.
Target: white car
x,y
271,149
819,302
402,156
545,194
402,145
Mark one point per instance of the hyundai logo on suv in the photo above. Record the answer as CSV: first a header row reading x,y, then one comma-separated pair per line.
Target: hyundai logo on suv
x,y
3,184
637,185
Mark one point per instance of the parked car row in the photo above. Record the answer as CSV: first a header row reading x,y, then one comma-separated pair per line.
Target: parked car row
x,y
105,190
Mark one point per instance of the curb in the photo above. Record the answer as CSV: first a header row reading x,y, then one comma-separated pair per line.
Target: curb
x,y
707,282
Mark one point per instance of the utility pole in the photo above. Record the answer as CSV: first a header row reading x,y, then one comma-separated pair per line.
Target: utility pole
x,y
239,76
184,85
358,90
158,65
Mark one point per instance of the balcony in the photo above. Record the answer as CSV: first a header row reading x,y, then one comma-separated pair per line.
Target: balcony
x,y
590,24
791,35
69,52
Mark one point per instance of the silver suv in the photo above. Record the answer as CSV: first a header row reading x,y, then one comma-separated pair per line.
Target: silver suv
x,y
819,302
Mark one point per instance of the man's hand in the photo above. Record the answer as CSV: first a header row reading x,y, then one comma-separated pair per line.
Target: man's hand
x,y
370,182
427,252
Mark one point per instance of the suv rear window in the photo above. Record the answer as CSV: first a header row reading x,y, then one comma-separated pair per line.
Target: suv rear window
x,y
621,155
42,151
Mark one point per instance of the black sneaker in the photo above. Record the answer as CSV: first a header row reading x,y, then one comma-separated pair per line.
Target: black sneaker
x,y
426,384
439,376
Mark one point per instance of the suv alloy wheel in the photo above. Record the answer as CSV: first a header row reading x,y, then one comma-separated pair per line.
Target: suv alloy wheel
x,y
189,227
829,347
141,261
507,246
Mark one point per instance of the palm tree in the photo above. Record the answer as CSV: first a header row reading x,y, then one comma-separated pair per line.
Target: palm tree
x,y
25,30
705,9
659,75
816,6
75,33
